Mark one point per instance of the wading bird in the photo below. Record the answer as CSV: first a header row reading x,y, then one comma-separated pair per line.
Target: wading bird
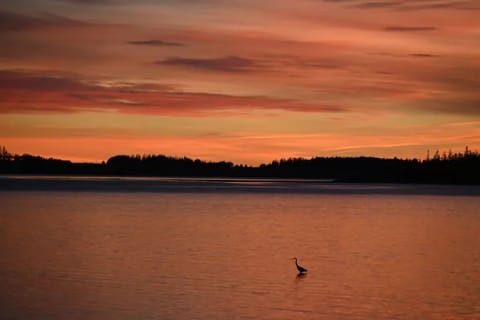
x,y
301,270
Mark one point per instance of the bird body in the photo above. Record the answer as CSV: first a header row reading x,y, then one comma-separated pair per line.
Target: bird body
x,y
301,270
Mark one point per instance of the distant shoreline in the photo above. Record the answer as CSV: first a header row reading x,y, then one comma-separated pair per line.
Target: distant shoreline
x,y
182,185
452,169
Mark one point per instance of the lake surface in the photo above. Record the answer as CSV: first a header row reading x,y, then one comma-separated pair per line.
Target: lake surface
x,y
116,248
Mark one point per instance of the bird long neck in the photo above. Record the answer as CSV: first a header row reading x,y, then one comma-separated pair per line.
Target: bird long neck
x,y
296,263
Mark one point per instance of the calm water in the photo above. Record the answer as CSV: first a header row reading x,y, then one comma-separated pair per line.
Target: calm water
x,y
198,253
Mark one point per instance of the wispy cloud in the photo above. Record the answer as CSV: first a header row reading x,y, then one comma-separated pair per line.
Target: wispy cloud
x,y
377,4
409,28
93,2
406,4
18,22
440,4
54,93
156,43
422,55
224,64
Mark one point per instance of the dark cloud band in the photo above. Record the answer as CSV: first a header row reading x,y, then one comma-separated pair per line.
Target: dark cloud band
x,y
156,43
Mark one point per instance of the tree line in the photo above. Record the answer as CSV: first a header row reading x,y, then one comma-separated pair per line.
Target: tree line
x,y
446,167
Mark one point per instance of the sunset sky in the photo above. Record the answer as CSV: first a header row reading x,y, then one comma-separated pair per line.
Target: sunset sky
x,y
240,80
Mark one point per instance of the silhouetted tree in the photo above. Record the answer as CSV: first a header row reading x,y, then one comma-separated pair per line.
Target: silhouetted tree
x,y
4,154
460,167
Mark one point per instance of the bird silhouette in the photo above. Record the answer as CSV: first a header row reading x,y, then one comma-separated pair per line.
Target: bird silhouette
x,y
301,270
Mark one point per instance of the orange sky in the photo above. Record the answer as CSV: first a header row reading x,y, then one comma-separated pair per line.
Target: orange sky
x,y
244,81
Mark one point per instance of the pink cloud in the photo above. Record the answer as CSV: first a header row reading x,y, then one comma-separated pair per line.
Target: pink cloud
x,y
23,92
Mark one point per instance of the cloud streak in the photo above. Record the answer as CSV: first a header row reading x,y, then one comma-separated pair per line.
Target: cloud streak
x,y
156,43
23,92
409,28
18,22
406,5
223,64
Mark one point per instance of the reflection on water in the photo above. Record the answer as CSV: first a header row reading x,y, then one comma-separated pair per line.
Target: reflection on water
x,y
123,255
301,275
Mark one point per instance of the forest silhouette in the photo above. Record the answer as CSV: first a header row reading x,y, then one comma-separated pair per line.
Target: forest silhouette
x,y
445,168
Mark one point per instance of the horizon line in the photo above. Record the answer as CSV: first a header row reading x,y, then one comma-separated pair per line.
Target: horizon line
x,y
437,155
